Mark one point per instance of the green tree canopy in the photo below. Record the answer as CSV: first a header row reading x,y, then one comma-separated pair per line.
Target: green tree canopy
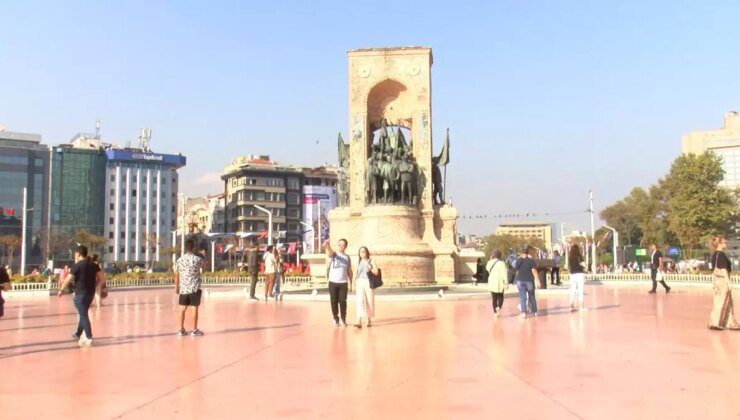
x,y
686,206
507,242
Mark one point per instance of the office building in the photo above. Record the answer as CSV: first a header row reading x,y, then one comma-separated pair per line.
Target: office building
x,y
537,230
140,203
24,162
256,180
78,185
725,142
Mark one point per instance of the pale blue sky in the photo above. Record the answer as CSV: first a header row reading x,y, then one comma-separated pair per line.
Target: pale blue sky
x,y
544,99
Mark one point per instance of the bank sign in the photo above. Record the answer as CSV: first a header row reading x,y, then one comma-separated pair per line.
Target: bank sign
x,y
126,155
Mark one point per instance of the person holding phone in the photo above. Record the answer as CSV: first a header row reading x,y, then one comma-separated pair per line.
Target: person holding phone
x,y
340,281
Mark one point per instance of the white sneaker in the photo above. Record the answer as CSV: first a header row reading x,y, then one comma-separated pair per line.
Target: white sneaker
x,y
523,315
84,341
336,323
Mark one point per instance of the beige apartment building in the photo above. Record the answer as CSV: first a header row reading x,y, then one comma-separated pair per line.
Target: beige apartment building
x,y
528,230
725,142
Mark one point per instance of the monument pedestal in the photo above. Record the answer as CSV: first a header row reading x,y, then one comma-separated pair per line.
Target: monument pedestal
x,y
402,242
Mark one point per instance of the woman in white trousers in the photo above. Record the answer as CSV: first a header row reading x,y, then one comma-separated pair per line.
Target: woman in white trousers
x,y
577,277
364,293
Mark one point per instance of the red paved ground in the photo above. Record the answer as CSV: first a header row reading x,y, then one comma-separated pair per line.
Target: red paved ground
x,y
632,356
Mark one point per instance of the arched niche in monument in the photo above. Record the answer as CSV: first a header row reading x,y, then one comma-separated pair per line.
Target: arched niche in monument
x,y
389,100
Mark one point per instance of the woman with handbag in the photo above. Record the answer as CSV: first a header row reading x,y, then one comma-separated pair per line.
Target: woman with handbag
x,y
497,281
363,291
722,315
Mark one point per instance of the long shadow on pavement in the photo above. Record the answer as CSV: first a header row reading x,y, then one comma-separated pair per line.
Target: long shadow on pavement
x,y
110,341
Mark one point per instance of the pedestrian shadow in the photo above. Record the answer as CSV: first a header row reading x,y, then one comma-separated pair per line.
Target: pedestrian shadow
x,y
126,339
39,316
37,327
407,320
564,310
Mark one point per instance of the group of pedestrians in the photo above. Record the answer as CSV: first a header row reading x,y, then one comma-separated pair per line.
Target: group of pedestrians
x,y
89,279
522,270
274,270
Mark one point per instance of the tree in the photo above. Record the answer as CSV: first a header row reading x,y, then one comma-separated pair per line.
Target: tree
x,y
697,207
90,240
506,242
9,244
686,206
60,241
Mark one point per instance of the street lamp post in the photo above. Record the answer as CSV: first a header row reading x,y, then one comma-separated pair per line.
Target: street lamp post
x,y
269,222
213,256
24,224
313,234
593,231
615,245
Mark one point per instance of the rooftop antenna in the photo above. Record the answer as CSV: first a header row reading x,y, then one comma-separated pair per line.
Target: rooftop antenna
x,y
97,129
144,139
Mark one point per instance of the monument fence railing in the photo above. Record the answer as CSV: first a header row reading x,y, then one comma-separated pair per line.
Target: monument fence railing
x,y
155,282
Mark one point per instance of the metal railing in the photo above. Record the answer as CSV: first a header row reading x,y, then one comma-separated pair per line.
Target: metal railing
x,y
154,282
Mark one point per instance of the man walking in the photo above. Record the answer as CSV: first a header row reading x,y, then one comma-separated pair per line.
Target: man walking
x,y
87,277
340,280
187,286
4,285
555,275
252,268
656,267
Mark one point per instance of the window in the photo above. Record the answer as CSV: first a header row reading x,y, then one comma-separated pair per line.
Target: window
x,y
133,235
112,178
154,222
133,192
110,249
293,198
38,162
259,196
294,184
123,235
294,213
111,206
112,191
143,250
293,226
123,249
134,178
110,235
110,221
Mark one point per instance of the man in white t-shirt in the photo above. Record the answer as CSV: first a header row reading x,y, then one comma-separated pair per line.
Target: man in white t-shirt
x,y
270,269
340,281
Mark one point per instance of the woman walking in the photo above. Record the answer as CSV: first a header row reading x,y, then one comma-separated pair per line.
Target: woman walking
x,y
101,290
577,278
722,315
497,281
364,293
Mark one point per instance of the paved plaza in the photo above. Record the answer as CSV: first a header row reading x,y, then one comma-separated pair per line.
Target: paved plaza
x,y
631,356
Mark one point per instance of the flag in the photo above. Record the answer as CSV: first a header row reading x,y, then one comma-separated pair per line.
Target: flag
x,y
291,248
444,156
10,212
262,235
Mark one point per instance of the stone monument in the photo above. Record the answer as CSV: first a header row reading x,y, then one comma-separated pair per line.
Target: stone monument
x,y
394,204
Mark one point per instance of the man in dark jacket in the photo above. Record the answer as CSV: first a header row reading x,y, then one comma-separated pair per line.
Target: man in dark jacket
x,y
656,264
251,266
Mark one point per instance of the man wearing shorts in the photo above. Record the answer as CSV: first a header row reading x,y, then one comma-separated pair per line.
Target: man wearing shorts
x,y
187,286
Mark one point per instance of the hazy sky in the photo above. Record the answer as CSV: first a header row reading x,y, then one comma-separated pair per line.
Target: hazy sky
x,y
544,101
